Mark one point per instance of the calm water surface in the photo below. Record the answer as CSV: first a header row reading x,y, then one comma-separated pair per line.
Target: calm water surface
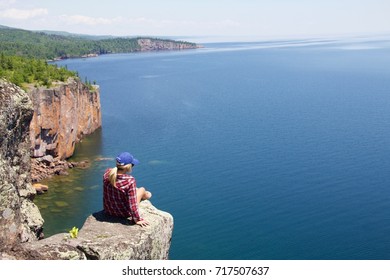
x,y
258,150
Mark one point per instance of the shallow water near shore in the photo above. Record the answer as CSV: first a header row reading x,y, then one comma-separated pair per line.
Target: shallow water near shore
x,y
258,150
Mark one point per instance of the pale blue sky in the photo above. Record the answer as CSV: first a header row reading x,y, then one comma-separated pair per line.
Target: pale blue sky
x,y
258,19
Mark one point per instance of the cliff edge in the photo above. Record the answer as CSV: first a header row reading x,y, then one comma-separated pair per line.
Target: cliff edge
x,y
20,219
101,237
104,237
62,116
148,44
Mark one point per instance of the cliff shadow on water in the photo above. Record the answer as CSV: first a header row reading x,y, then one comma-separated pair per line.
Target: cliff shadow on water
x,y
71,196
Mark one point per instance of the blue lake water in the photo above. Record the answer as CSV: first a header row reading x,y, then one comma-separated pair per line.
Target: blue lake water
x,y
258,150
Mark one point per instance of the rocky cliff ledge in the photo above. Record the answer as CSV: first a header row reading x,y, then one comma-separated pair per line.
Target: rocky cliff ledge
x,y
62,116
101,237
107,238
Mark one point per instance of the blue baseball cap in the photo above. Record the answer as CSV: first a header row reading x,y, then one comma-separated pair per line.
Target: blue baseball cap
x,y
126,158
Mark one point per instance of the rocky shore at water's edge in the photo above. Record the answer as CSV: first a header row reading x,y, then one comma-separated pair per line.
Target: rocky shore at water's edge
x,y
63,115
48,166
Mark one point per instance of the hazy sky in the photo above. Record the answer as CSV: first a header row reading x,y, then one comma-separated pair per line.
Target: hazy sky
x,y
246,18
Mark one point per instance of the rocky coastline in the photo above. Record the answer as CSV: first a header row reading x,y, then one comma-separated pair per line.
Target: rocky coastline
x,y
144,45
48,166
21,224
148,44
63,115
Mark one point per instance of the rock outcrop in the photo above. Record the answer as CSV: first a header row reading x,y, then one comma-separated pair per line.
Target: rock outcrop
x,y
147,44
107,238
20,219
62,116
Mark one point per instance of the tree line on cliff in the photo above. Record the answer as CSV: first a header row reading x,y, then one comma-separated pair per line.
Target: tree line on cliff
x,y
21,70
24,54
44,45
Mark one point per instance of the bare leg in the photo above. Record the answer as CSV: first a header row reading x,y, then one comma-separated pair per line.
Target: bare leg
x,y
142,194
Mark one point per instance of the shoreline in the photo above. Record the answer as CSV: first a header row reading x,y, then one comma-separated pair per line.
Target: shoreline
x,y
92,55
46,167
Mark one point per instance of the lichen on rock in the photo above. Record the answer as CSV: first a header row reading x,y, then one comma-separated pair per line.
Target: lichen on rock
x,y
16,223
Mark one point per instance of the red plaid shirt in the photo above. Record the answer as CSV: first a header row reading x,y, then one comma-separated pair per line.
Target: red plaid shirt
x,y
121,200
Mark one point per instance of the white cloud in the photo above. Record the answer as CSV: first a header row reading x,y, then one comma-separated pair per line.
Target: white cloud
x,y
145,25
86,20
228,23
22,14
6,3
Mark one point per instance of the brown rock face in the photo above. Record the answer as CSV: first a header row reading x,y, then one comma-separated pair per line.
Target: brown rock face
x,y
147,44
62,116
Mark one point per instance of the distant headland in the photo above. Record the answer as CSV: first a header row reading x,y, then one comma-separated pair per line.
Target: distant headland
x,y
52,45
24,54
